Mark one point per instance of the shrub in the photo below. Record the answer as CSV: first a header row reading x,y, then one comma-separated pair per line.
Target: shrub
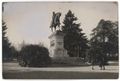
x,y
34,56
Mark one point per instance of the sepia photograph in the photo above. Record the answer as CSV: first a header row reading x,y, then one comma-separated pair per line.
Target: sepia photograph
x,y
60,40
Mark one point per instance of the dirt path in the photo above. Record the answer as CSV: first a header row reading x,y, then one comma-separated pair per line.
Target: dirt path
x,y
15,67
14,71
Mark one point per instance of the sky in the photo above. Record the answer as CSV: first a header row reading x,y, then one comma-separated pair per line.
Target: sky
x,y
30,21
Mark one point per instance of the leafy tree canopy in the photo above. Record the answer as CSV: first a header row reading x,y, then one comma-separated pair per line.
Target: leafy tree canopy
x,y
105,38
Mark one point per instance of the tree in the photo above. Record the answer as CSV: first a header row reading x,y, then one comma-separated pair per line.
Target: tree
x,y
113,39
74,41
104,39
34,56
6,45
14,52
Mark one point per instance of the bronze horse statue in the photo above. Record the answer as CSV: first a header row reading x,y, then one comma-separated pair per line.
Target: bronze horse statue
x,y
55,20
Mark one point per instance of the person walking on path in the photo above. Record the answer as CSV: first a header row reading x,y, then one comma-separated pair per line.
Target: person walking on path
x,y
93,61
101,60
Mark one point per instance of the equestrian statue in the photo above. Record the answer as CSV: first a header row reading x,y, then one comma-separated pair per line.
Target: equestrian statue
x,y
55,21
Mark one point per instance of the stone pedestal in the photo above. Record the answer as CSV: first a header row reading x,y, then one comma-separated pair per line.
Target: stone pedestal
x,y
57,49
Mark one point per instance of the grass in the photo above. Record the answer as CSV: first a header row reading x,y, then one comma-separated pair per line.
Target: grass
x,y
58,75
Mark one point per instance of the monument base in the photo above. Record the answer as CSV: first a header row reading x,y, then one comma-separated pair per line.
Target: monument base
x,y
68,61
60,53
57,49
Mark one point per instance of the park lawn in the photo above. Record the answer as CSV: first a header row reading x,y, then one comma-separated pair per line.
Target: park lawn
x,y
59,75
